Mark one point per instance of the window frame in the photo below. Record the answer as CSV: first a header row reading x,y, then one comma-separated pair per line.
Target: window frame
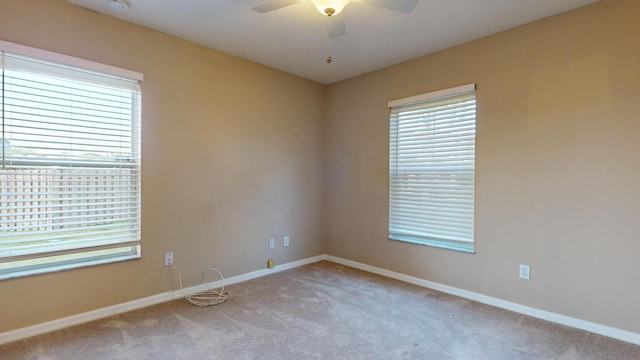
x,y
48,259
458,180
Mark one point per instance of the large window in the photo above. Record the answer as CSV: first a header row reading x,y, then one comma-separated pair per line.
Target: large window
x,y
69,163
432,169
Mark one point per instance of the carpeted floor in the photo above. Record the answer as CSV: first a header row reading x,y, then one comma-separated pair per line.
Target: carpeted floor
x,y
322,311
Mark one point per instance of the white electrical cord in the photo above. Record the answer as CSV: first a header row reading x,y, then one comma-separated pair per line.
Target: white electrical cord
x,y
208,297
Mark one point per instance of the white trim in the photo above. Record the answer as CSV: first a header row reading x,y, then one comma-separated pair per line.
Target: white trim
x,y
433,95
599,329
58,324
69,60
72,320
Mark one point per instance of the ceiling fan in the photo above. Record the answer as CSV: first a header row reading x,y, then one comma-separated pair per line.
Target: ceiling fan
x,y
332,9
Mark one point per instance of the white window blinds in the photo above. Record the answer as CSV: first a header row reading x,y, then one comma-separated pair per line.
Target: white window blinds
x,y
69,166
432,169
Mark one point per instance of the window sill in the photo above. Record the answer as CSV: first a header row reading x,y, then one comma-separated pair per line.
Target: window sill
x,y
11,273
468,248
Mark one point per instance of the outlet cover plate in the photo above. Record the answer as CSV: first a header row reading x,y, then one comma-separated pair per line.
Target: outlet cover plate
x,y
525,272
168,259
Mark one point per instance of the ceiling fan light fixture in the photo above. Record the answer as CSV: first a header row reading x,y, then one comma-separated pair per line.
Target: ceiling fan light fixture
x,y
330,7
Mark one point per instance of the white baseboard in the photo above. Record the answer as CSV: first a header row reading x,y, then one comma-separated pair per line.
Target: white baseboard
x,y
49,326
599,329
68,321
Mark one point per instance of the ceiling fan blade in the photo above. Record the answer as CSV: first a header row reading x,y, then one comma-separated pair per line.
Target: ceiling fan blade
x,y
405,6
337,26
273,5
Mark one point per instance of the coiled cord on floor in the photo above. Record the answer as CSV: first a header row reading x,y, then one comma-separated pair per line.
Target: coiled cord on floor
x,y
205,298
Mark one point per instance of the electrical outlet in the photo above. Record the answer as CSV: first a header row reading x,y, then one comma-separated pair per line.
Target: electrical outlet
x,y
272,243
168,259
524,272
286,241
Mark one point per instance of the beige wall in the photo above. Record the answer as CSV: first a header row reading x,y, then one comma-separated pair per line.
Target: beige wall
x,y
235,153
231,157
558,165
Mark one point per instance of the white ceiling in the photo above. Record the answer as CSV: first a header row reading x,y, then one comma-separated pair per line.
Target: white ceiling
x,y
294,38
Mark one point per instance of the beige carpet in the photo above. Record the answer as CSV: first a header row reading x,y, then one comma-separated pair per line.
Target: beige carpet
x,y
322,311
